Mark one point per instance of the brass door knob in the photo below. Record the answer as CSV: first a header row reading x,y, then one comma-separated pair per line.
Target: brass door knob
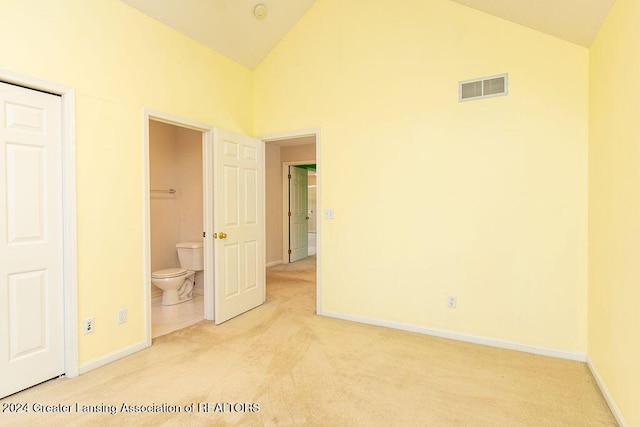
x,y
222,235
307,217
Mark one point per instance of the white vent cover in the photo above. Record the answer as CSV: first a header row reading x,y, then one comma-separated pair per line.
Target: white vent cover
x,y
485,87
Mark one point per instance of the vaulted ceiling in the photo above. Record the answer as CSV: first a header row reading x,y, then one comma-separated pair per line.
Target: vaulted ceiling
x,y
228,26
576,21
231,28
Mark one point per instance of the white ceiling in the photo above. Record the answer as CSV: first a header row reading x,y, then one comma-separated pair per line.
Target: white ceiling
x,y
230,28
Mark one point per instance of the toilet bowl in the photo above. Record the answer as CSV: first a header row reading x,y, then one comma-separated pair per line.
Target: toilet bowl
x,y
176,284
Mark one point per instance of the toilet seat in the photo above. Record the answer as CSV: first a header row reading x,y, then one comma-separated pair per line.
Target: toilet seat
x,y
169,273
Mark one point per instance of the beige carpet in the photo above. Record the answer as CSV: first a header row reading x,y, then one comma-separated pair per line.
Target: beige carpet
x,y
300,369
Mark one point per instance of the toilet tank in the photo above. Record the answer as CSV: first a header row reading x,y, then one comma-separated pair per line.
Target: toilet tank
x,y
191,255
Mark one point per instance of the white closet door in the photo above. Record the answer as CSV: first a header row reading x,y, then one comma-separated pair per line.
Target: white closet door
x,y
31,246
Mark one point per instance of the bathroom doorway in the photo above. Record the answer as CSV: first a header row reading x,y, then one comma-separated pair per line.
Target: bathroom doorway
x,y
176,215
232,232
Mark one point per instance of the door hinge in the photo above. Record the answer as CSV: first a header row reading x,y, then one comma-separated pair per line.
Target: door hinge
x,y
289,213
204,234
289,176
289,251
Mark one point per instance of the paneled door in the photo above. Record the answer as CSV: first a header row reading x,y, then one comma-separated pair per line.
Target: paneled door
x,y
239,224
31,245
298,213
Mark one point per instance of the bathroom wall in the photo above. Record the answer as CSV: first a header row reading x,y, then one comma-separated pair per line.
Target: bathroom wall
x,y
163,206
190,191
175,161
190,196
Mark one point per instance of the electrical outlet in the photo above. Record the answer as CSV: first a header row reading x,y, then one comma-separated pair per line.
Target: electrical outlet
x,y
88,326
452,301
122,315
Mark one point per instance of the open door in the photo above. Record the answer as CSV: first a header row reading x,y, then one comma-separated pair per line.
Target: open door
x,y
239,224
298,213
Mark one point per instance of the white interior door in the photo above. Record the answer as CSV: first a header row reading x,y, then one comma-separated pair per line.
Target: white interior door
x,y
31,245
239,237
298,214
312,204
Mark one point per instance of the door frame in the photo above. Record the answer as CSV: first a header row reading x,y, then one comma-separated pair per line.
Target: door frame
x,y
319,174
286,232
69,218
207,202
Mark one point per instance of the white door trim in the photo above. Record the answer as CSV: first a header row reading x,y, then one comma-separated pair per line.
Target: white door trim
x,y
298,134
69,240
207,170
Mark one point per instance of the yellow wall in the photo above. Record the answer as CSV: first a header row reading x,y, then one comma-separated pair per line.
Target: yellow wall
x,y
119,61
614,207
485,200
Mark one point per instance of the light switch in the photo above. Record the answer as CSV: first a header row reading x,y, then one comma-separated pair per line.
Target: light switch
x,y
328,213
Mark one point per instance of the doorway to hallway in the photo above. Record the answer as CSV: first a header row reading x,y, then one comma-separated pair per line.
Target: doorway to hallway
x,y
281,152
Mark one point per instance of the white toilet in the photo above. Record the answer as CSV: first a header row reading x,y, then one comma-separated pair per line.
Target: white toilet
x,y
177,283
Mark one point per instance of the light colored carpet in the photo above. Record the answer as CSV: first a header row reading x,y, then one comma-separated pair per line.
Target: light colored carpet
x,y
303,369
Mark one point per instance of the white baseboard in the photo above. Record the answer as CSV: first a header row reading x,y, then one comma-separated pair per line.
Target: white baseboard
x,y
271,264
492,342
607,395
111,357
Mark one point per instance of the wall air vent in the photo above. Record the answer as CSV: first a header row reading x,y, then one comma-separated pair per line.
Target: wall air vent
x,y
485,87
